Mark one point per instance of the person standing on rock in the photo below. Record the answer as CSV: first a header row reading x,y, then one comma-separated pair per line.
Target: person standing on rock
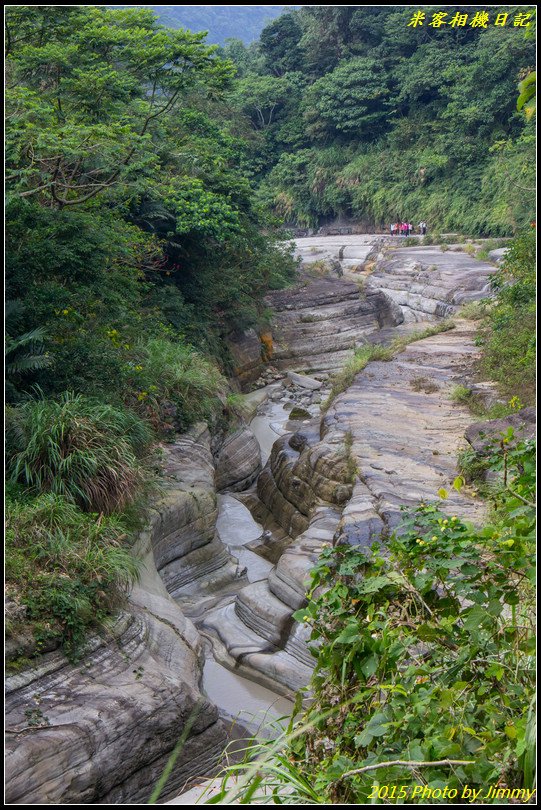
x,y
393,228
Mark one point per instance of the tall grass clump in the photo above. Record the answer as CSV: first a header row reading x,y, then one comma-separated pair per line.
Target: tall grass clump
x,y
176,374
475,310
67,569
87,451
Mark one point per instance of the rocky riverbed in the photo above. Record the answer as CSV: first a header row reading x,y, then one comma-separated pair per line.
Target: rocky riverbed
x,y
241,520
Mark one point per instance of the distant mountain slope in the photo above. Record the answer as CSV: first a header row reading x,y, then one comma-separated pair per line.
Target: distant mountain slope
x,y
241,22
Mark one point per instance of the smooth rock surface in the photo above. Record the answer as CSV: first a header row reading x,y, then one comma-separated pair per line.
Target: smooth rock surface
x,y
405,442
427,282
239,461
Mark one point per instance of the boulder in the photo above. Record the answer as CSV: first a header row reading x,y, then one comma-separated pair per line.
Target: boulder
x,y
239,461
304,381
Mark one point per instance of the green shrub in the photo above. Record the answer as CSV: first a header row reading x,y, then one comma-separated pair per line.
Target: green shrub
x,y
508,336
87,451
67,568
424,654
461,394
488,246
475,310
175,374
472,466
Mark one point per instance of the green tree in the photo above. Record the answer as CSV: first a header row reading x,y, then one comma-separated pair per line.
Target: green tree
x,y
352,99
83,104
280,44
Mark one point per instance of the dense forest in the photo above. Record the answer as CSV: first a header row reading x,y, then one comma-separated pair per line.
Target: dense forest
x,y
153,182
355,113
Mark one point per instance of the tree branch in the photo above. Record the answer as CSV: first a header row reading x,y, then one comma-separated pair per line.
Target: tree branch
x,y
406,764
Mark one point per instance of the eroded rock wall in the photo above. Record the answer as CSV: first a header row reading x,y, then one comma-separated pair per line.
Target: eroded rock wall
x,y
389,441
317,324
428,283
238,462
101,730
303,486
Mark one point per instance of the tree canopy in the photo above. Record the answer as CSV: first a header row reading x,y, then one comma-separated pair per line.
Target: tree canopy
x,y
395,119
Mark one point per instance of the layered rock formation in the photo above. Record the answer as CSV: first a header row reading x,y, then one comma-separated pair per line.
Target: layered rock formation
x,y
246,352
101,730
183,530
318,324
238,461
427,282
389,441
405,440
303,486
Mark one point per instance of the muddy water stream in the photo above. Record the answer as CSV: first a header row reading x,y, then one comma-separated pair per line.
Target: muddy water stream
x,y
239,700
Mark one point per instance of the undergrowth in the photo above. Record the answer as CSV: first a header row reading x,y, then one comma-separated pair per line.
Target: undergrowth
x,y
66,570
424,662
87,451
508,334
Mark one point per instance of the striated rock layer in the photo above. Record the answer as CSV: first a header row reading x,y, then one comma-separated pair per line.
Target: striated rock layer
x,y
238,462
303,486
405,440
390,440
426,282
317,325
102,730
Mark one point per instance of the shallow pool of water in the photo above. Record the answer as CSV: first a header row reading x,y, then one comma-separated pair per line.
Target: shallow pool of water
x,y
252,706
236,528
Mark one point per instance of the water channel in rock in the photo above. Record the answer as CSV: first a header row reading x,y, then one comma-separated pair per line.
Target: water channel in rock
x,y
241,701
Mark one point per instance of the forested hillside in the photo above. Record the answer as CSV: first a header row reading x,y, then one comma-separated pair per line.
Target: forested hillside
x,y
353,112
221,22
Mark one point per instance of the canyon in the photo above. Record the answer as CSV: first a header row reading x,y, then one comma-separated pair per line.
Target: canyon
x,y
207,635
